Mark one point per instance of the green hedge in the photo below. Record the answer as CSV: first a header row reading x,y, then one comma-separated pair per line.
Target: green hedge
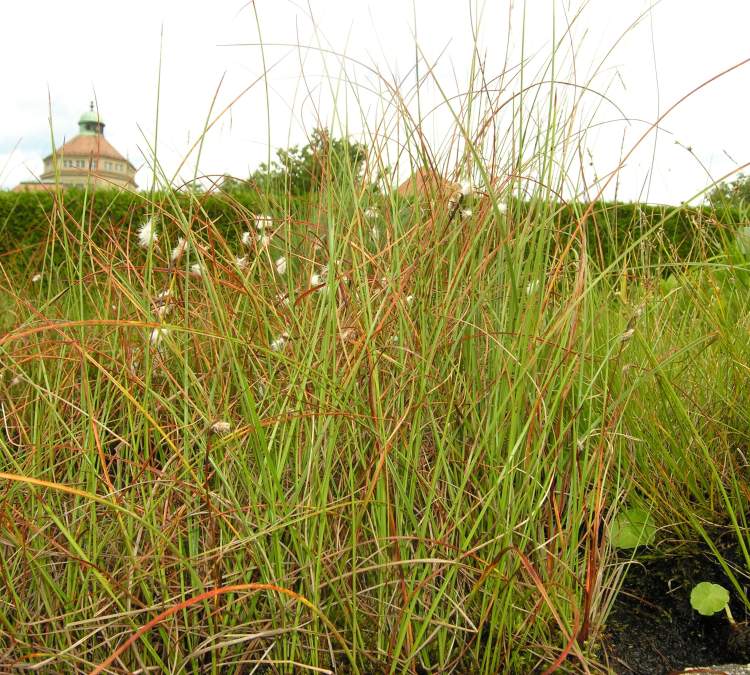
x,y
674,234
26,217
651,234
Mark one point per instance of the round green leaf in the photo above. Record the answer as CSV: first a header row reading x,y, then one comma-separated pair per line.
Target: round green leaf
x,y
707,598
633,527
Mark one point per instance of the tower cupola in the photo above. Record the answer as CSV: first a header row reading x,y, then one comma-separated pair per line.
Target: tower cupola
x,y
90,123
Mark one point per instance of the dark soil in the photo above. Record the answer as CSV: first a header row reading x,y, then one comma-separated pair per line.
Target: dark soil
x,y
653,629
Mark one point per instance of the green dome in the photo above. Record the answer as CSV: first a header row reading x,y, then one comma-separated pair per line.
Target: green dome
x,y
89,116
90,123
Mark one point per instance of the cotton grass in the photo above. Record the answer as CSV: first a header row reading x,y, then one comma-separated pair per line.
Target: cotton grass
x,y
147,234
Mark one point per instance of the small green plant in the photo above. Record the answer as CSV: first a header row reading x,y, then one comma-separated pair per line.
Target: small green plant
x,y
707,599
632,528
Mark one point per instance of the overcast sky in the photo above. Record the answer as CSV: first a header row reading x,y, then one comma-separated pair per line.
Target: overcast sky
x,y
59,55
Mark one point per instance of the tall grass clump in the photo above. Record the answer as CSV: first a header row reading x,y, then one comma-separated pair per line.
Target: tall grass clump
x,y
369,430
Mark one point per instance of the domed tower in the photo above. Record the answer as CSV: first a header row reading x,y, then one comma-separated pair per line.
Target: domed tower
x,y
89,159
90,123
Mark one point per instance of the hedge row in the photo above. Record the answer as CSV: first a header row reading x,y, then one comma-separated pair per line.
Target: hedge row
x,y
673,233
654,233
26,217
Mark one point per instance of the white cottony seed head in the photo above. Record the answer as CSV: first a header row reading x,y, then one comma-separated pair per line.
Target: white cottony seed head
x,y
247,239
278,344
280,265
466,188
197,269
163,311
264,240
371,213
220,428
179,250
466,213
262,222
36,278
318,278
147,234
242,263
348,335
157,335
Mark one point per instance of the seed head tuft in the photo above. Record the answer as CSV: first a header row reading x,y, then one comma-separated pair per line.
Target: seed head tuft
x,y
627,335
262,222
179,250
264,240
164,310
221,428
280,342
147,234
157,335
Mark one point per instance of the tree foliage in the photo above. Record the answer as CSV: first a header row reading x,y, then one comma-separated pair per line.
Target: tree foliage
x,y
299,171
731,193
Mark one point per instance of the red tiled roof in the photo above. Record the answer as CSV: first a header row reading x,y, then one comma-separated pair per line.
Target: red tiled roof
x,y
425,182
93,145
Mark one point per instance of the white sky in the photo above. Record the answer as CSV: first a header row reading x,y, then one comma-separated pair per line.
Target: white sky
x,y
65,52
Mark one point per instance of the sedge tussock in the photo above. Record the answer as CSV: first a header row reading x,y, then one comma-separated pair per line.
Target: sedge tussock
x,y
435,460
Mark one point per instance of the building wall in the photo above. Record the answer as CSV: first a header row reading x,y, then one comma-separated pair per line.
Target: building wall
x,y
103,173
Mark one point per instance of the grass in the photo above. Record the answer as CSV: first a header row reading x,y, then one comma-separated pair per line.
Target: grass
x,y
423,450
